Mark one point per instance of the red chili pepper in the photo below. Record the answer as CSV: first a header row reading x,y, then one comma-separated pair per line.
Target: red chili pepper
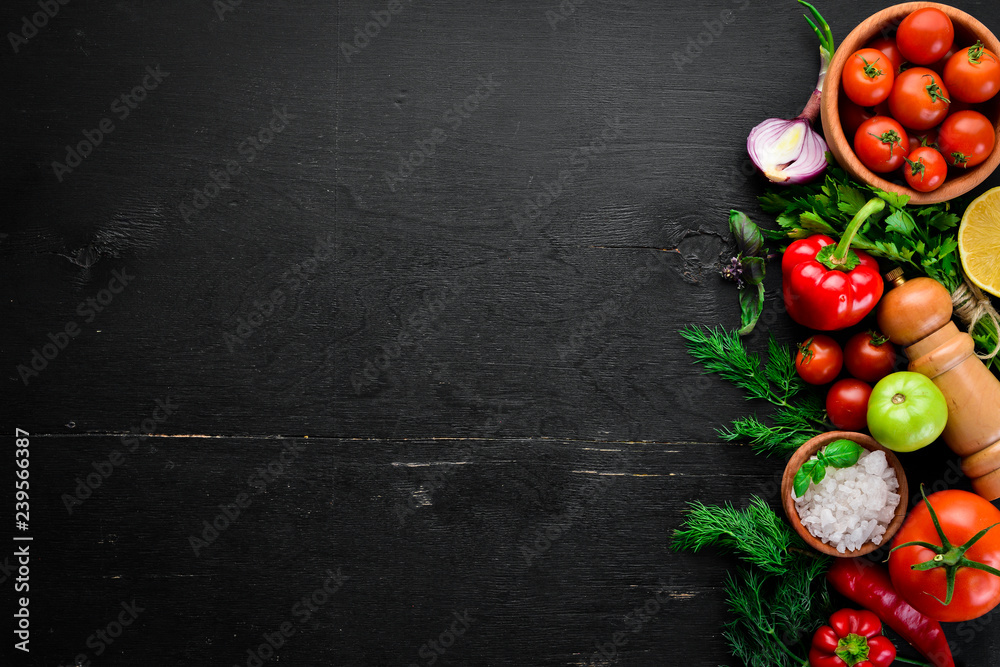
x,y
828,286
868,585
853,639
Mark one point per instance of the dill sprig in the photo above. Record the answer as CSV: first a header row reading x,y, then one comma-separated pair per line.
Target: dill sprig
x,y
780,599
755,534
797,418
774,618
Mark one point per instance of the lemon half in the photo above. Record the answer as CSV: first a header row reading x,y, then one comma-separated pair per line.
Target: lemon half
x,y
979,241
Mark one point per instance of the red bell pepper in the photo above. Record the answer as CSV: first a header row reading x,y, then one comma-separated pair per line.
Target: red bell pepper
x,y
827,286
853,639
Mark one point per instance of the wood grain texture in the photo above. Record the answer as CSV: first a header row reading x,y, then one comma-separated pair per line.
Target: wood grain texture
x,y
432,318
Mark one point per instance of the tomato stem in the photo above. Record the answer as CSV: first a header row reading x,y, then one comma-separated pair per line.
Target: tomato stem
x,y
917,167
976,52
870,70
934,90
890,137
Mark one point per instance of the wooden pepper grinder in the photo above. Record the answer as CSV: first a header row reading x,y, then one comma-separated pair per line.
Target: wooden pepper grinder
x,y
917,315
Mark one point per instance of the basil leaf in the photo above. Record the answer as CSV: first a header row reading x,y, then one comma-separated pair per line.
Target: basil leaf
x,y
749,240
801,483
819,473
842,453
751,306
753,270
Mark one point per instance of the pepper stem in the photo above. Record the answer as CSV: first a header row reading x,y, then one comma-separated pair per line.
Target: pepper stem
x,y
839,257
873,206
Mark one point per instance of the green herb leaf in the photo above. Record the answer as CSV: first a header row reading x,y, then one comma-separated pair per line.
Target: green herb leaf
x,y
815,223
751,306
900,221
850,199
893,199
818,474
842,453
772,202
753,270
749,240
801,482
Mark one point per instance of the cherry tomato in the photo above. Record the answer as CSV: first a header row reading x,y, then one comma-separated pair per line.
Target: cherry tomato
x,y
887,45
919,99
868,76
927,138
847,404
973,74
881,144
869,356
852,115
926,169
819,360
966,138
925,36
961,515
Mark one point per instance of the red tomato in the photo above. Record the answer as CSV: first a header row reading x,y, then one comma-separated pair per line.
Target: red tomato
x,y
819,360
881,144
925,36
847,404
852,115
887,45
869,356
868,76
973,74
961,515
926,169
919,100
966,138
928,138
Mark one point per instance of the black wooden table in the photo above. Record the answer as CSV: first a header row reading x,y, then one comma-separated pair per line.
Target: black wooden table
x,y
347,334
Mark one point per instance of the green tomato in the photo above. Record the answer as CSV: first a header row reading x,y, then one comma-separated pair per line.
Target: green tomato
x,y
906,411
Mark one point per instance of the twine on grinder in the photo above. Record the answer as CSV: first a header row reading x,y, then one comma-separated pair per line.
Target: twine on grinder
x,y
972,306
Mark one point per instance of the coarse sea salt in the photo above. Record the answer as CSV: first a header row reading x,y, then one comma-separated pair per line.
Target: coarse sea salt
x,y
851,506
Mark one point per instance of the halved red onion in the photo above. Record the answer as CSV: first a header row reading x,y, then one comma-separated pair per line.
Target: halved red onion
x,y
787,151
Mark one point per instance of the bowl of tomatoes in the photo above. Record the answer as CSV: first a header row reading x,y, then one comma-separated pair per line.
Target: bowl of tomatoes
x,y
911,102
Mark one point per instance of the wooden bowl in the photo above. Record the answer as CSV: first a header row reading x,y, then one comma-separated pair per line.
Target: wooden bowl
x,y
967,30
807,450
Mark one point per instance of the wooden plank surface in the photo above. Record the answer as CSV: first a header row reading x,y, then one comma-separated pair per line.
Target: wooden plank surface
x,y
484,335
